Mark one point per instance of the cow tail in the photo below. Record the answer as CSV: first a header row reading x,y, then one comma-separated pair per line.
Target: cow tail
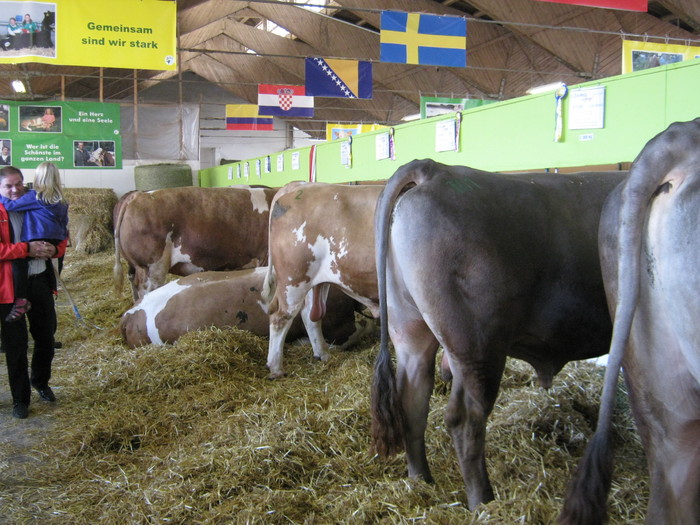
x,y
269,287
118,270
388,417
586,498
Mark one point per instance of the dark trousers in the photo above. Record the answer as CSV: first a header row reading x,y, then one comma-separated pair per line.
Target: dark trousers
x,y
42,326
20,269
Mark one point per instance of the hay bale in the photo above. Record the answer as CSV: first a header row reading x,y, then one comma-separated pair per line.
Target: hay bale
x,y
90,218
156,176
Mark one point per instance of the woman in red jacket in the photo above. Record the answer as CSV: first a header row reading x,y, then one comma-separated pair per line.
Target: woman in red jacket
x,y
42,317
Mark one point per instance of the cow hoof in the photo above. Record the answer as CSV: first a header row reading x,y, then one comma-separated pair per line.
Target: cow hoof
x,y
275,375
325,357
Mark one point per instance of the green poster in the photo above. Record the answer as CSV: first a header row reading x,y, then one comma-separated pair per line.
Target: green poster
x,y
81,135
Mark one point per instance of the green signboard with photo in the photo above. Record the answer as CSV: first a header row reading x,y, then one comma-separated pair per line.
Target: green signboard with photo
x,y
80,135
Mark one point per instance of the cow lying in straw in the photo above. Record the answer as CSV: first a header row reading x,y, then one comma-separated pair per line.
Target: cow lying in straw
x,y
225,299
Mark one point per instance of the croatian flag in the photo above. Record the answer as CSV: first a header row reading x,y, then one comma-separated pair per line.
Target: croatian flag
x,y
284,101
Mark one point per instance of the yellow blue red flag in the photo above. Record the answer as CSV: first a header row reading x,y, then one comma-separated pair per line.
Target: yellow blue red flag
x,y
245,117
417,38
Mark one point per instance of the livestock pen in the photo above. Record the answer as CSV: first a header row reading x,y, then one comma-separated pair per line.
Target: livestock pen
x,y
196,433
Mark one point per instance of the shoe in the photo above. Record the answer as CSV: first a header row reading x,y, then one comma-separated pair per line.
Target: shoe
x,y
20,411
46,394
19,308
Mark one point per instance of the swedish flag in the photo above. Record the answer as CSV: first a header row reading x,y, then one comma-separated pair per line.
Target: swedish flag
x,y
417,38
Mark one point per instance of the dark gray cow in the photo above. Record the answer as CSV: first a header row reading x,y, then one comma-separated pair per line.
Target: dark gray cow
x,y
487,266
650,252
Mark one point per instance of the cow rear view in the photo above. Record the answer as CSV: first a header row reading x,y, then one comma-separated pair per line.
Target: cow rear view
x,y
650,254
487,266
320,234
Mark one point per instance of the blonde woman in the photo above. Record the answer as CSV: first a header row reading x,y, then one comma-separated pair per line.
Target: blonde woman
x,y
45,219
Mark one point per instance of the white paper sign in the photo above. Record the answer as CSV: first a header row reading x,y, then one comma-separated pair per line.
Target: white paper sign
x,y
345,153
587,108
295,160
280,162
381,146
445,135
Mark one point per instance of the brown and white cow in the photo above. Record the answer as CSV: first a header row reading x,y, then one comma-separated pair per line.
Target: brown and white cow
x,y
320,234
487,266
650,253
188,230
223,299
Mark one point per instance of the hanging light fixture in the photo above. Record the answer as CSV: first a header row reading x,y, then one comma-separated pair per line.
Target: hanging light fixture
x,y
18,86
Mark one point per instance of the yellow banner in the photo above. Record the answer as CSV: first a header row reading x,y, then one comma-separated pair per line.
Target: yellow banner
x,y
342,131
637,56
131,34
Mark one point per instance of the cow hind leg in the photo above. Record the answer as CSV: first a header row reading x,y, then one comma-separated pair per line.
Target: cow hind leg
x,y
131,275
138,279
415,347
313,328
475,386
675,479
280,322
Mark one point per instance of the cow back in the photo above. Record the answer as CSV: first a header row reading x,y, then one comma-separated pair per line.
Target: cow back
x,y
531,237
209,228
326,232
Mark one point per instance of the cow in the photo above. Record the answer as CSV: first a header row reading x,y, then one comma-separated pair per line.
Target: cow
x,y
649,242
487,266
222,299
188,230
320,234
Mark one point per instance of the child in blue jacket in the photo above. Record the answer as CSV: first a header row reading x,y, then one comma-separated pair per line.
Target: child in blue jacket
x,y
45,218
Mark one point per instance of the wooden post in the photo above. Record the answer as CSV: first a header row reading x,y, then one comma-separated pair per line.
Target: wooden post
x,y
136,113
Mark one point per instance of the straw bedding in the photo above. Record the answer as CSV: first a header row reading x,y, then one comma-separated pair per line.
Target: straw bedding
x,y
195,433
90,218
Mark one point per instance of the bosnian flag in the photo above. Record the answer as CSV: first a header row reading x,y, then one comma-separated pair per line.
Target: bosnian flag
x,y
284,101
338,78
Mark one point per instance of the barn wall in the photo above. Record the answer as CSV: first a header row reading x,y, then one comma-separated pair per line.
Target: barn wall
x,y
215,142
213,136
513,135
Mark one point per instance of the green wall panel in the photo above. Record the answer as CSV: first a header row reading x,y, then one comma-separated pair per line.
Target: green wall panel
x,y
513,135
